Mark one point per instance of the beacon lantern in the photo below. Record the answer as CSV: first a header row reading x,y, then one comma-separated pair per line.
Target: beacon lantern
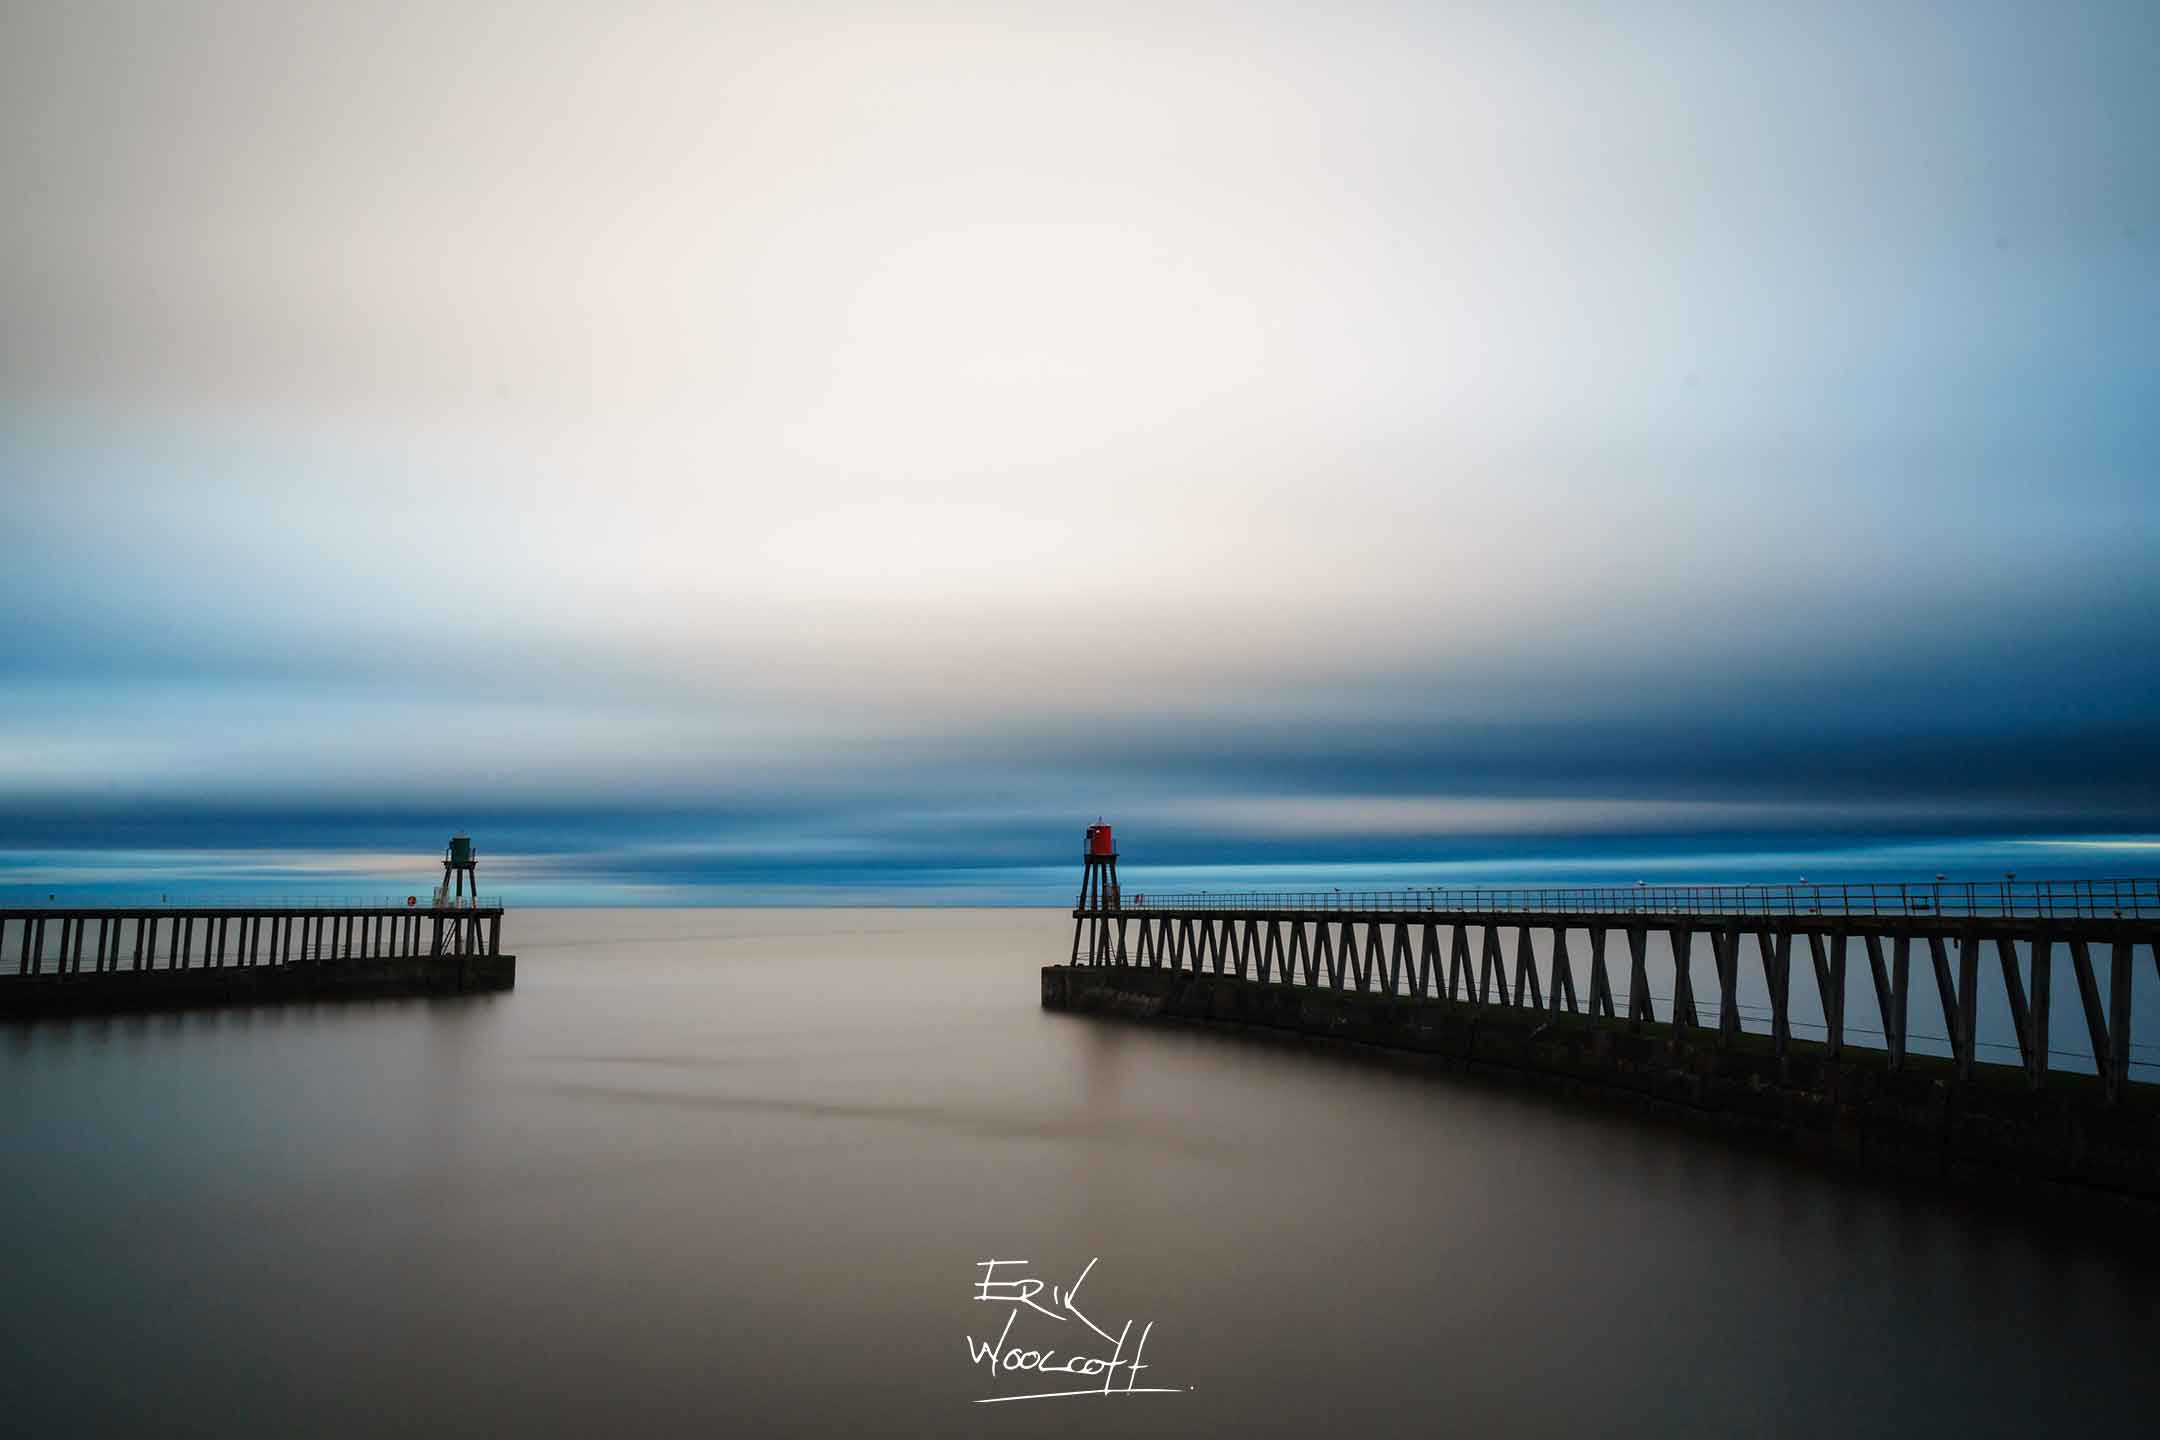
x,y
1099,900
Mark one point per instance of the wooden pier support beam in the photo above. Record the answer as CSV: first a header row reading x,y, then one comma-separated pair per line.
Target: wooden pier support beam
x,y
1879,977
1900,998
1832,979
1946,990
1493,969
1563,972
1725,951
2096,1025
1526,976
1819,962
2043,994
2121,955
1775,948
1968,1029
1683,950
1640,1010
1601,997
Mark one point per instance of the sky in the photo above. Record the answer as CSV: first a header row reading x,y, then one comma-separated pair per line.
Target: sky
x,y
835,452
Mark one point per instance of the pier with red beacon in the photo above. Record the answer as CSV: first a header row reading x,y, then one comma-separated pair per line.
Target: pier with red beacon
x,y
1532,980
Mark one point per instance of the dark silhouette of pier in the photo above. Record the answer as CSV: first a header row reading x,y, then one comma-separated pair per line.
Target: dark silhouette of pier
x,y
1418,944
61,958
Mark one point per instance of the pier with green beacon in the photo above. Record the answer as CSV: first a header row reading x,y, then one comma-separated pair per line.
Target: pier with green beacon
x,y
65,958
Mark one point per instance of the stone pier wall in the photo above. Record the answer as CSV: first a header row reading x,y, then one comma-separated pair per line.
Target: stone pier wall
x,y
1921,1120
111,992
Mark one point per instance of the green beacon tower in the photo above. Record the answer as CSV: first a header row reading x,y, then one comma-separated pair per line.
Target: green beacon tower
x,y
460,866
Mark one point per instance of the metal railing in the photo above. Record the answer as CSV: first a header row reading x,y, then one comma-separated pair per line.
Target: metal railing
x,y
1950,899
421,902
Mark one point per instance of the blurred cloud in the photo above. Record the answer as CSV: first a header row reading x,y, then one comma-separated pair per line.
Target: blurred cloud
x,y
890,431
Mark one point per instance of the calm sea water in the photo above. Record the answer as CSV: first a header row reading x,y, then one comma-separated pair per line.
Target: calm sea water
x,y
732,1172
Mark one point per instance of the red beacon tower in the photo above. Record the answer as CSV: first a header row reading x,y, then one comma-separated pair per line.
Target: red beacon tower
x,y
1098,892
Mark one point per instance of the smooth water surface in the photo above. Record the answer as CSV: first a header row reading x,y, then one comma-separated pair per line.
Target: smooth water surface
x,y
732,1172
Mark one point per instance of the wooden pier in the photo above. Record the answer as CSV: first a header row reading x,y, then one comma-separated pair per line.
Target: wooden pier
x,y
1693,1010
74,959
1454,945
